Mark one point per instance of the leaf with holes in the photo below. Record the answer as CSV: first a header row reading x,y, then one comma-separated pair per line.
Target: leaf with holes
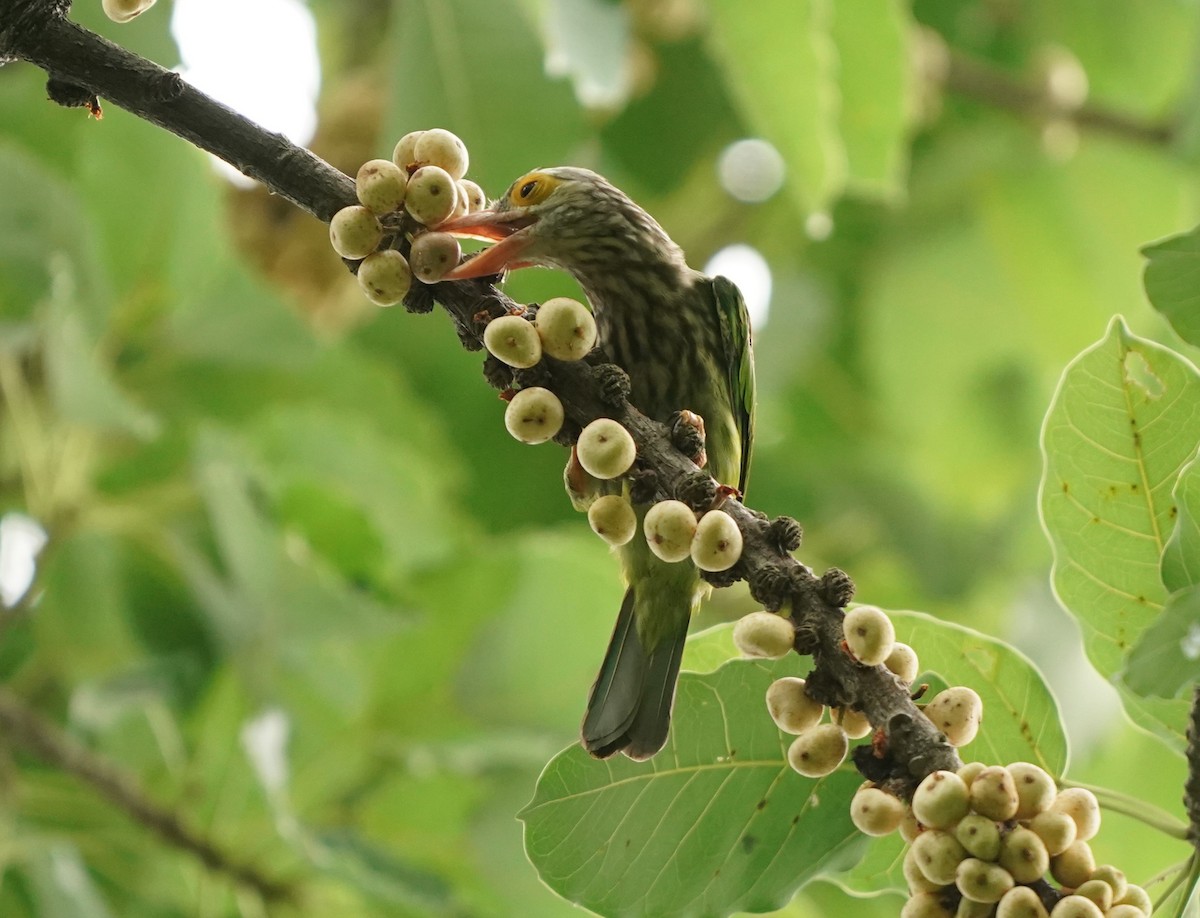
x,y
1124,421
716,823
1020,715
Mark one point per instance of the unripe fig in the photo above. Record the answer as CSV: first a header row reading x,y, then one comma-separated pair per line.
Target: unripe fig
x,y
910,828
915,878
968,909
434,255
380,185
384,277
1136,896
869,634
125,10
940,800
982,881
514,341
405,153
718,542
471,193
1076,907
876,812
1115,878
439,147
979,835
993,794
1126,911
970,771
855,723
670,526
903,662
1081,805
1035,789
1024,855
925,905
1098,891
461,207
1021,902
354,232
938,854
431,195
818,752
956,712
1056,830
790,705
1074,866
612,518
567,328
606,450
764,634
534,415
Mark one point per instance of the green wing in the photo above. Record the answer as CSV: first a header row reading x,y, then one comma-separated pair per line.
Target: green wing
x,y
739,364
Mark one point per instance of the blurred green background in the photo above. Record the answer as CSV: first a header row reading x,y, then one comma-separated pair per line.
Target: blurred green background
x,y
300,582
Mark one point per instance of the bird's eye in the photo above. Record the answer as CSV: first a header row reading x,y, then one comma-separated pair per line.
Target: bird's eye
x,y
531,189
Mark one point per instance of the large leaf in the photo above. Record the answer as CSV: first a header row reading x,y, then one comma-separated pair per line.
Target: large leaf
x,y
1181,558
1172,280
1166,660
781,66
876,87
1121,427
715,823
1021,720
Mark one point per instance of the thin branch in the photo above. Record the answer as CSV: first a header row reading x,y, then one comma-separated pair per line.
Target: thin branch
x,y
995,87
26,728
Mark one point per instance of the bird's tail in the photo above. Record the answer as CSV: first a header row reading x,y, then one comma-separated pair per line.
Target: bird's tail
x,y
629,709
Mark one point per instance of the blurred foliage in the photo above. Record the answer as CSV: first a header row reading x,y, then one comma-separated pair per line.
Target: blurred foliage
x,y
267,504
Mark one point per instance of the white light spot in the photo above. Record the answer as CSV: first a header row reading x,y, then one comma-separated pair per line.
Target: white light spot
x,y
21,539
265,741
746,267
589,42
259,57
818,226
1189,644
751,170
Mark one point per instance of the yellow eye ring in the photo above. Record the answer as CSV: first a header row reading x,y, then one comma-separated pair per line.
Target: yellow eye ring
x,y
531,189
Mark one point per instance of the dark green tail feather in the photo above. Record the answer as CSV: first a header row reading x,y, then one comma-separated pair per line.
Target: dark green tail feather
x,y
629,708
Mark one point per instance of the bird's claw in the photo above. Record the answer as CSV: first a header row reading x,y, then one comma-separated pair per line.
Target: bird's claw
x,y
687,436
614,384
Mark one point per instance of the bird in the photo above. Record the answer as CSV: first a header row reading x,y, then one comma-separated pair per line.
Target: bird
x,y
684,340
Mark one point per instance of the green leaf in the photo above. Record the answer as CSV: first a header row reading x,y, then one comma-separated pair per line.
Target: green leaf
x,y
1119,431
1172,280
63,886
709,649
445,76
1181,558
781,67
1021,719
345,854
1166,660
876,86
81,380
715,823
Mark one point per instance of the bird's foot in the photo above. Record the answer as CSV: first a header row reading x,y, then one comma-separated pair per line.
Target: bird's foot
x,y
614,384
687,435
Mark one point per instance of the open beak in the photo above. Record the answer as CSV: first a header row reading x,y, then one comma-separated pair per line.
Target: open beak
x,y
509,231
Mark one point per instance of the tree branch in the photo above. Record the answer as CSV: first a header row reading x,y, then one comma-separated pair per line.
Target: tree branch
x,y
910,745
27,729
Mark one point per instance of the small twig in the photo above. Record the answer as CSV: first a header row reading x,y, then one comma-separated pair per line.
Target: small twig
x,y
995,87
26,728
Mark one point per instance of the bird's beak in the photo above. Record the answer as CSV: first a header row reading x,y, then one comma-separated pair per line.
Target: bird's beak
x,y
510,232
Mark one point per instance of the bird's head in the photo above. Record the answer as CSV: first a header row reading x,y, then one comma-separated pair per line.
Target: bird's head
x,y
562,217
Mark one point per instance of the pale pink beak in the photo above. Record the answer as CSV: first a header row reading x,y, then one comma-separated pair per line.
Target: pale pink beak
x,y
504,228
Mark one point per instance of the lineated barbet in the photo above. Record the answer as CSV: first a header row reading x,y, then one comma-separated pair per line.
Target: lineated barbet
x,y
684,340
